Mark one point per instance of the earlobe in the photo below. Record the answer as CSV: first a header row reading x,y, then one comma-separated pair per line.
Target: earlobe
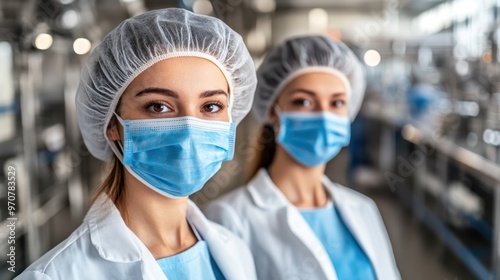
x,y
272,115
112,133
274,120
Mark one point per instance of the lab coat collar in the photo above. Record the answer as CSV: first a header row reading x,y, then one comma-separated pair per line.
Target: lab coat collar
x,y
219,243
352,212
266,195
115,242
264,192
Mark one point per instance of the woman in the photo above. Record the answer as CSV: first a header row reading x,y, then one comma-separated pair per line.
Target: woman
x,y
298,224
160,98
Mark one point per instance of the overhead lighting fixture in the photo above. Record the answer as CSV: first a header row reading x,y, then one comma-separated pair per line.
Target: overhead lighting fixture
x,y
256,41
491,137
70,19
82,46
202,7
442,16
487,57
43,41
462,67
318,20
372,58
264,6
134,7
66,2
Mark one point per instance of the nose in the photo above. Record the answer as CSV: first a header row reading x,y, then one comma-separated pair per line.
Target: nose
x,y
188,111
322,106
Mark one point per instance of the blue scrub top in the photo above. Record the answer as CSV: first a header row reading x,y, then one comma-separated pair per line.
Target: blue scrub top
x,y
348,258
195,263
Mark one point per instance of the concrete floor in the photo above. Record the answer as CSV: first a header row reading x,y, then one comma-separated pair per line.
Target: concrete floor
x,y
419,253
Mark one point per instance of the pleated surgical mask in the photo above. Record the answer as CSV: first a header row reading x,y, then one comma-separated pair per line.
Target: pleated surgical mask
x,y
313,138
176,156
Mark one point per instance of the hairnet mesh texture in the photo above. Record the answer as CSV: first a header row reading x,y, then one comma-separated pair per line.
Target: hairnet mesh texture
x,y
298,54
139,42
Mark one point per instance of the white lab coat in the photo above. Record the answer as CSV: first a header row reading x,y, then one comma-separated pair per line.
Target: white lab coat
x,y
282,243
103,247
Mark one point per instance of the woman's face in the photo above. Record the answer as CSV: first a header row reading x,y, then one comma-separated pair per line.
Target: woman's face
x,y
176,87
313,92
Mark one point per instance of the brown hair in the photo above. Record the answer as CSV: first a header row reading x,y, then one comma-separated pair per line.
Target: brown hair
x,y
264,152
112,184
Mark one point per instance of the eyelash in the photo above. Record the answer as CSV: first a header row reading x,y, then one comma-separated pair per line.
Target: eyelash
x,y
216,103
341,101
152,103
300,102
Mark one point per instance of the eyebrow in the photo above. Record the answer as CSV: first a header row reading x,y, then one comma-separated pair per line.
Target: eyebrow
x,y
309,92
162,91
210,93
171,93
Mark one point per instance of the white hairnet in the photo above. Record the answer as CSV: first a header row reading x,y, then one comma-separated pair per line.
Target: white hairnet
x,y
304,55
138,43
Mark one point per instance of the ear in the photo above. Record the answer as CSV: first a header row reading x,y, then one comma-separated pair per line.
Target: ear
x,y
112,131
274,120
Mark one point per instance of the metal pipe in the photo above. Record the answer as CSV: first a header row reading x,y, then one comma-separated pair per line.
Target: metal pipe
x,y
28,118
496,234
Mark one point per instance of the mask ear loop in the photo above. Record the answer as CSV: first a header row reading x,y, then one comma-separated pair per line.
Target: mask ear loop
x,y
229,109
278,112
230,104
119,153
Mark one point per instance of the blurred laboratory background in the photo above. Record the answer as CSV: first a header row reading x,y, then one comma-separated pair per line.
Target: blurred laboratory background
x,y
425,146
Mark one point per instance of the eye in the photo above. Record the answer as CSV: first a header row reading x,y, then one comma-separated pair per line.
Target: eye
x,y
157,108
302,102
338,103
213,107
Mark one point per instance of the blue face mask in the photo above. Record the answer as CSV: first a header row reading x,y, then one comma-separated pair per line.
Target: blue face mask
x,y
313,138
176,156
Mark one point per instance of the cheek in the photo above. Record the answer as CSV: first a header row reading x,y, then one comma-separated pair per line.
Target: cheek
x,y
343,111
225,115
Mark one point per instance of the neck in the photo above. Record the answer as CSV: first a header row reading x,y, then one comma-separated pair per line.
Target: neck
x,y
159,222
300,184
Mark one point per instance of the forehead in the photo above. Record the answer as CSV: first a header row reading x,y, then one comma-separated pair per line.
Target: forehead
x,y
181,74
318,82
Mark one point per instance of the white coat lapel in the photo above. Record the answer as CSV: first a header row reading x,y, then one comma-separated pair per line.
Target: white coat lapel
x,y
115,242
221,246
356,220
301,229
266,195
151,269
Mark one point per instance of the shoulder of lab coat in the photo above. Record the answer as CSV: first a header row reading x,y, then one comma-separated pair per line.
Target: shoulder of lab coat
x,y
261,204
362,217
103,247
231,254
